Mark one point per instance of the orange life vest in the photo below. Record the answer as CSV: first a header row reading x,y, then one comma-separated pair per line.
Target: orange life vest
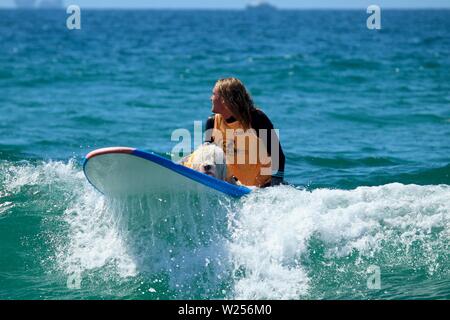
x,y
246,154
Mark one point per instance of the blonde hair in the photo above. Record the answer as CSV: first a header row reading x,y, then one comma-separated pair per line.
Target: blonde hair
x,y
237,99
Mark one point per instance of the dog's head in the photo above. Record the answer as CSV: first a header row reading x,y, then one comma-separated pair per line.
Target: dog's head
x,y
210,159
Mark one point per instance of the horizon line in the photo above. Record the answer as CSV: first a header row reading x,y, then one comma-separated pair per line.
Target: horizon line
x,y
227,9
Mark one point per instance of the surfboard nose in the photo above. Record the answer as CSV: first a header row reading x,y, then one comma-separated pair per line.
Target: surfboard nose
x,y
99,152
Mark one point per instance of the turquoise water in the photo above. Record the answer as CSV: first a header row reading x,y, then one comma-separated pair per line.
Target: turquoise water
x,y
364,119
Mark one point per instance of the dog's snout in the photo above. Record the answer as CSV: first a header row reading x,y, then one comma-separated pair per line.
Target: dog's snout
x,y
207,167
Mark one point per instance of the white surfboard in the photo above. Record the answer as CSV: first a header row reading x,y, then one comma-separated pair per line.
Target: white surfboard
x,y
123,172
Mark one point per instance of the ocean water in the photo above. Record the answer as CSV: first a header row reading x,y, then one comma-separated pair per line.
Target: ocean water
x,y
364,120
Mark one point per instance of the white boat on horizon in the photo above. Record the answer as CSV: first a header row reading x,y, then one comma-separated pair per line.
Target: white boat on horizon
x,y
260,6
43,4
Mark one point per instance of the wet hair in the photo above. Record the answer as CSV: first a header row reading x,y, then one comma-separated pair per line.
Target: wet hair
x,y
237,99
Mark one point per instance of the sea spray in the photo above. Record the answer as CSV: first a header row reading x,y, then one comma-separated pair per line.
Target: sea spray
x,y
290,244
181,235
281,243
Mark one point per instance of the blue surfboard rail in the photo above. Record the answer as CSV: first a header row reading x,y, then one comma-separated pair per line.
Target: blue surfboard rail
x,y
211,182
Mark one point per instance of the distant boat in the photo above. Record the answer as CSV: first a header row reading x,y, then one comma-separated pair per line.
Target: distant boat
x,y
260,6
51,4
25,4
43,4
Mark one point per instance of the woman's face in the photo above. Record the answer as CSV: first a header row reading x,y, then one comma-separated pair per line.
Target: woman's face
x,y
218,106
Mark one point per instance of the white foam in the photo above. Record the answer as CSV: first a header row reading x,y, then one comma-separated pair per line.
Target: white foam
x,y
43,173
182,237
91,240
273,226
270,232
94,240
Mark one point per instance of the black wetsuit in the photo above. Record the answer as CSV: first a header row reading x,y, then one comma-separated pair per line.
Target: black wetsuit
x,y
258,120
